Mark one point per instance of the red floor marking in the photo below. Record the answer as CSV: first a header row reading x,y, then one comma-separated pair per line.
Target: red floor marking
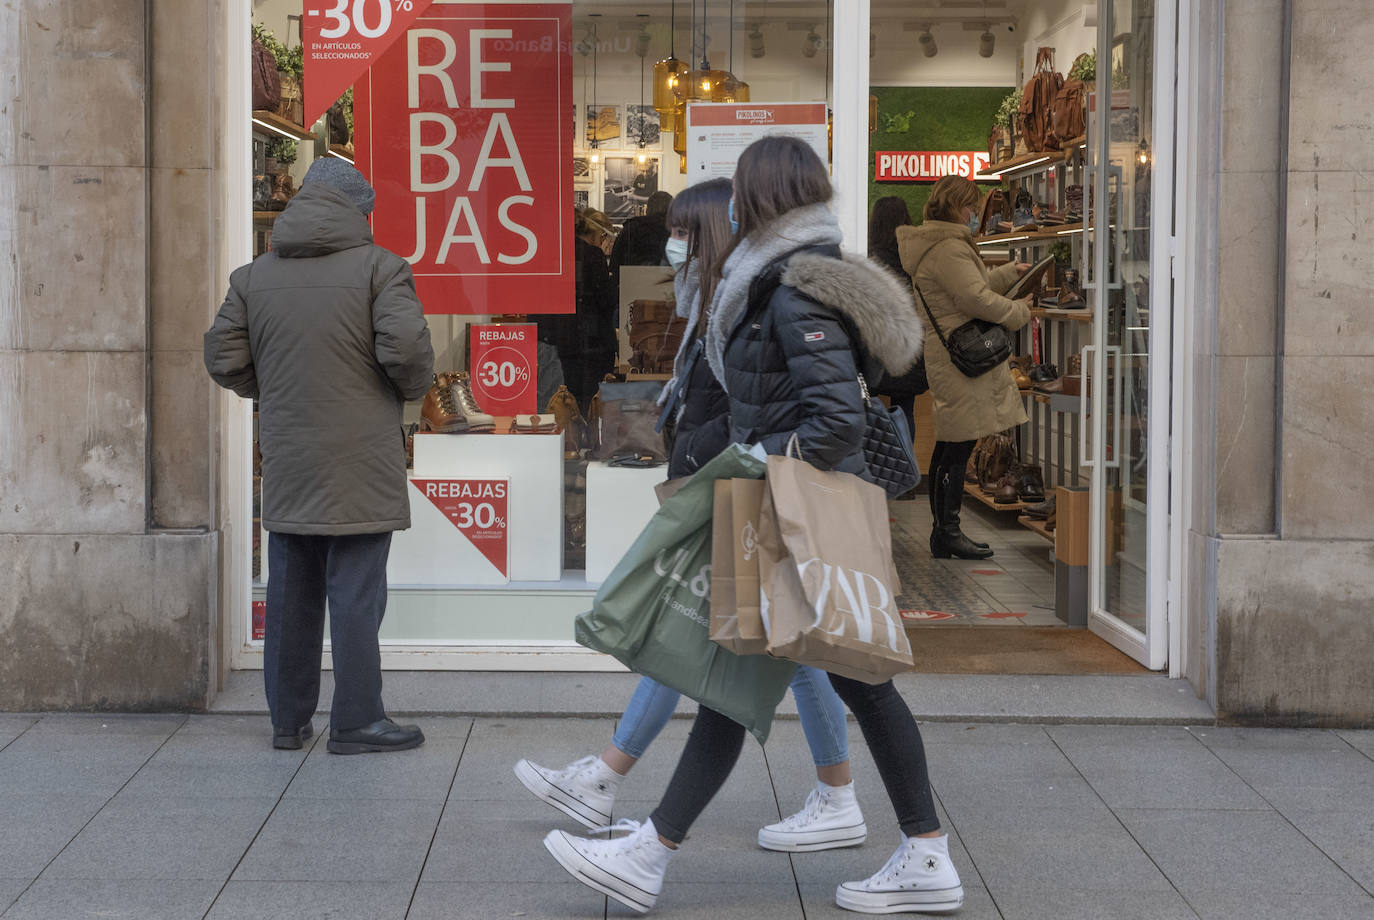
x,y
927,615
987,571
1003,615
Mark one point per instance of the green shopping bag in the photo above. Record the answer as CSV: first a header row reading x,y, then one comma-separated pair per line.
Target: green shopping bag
x,y
652,613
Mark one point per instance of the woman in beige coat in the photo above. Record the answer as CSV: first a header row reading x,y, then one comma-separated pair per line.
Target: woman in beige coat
x,y
944,265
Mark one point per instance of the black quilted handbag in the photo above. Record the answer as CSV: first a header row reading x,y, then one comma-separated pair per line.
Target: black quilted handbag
x,y
887,446
974,348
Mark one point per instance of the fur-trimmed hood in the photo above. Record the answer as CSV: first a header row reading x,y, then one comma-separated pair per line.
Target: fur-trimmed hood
x,y
880,306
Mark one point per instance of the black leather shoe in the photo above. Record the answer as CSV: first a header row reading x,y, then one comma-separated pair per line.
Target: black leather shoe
x,y
956,546
378,737
287,739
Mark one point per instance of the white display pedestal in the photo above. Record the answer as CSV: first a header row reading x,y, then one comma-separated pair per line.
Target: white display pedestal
x,y
533,466
620,501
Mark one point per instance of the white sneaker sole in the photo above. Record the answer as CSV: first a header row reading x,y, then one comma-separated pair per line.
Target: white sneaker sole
x,y
593,876
833,838
939,901
550,794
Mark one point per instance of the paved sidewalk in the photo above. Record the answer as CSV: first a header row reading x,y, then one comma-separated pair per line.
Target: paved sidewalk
x,y
150,817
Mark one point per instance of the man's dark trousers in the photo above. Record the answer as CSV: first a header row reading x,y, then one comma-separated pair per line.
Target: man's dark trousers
x,y
304,570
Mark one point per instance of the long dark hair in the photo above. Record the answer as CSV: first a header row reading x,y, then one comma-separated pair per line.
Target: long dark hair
x,y
889,213
703,210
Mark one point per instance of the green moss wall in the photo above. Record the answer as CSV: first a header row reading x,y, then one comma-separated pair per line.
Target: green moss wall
x,y
944,118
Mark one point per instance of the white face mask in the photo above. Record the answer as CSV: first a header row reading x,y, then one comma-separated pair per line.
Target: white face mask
x,y
676,251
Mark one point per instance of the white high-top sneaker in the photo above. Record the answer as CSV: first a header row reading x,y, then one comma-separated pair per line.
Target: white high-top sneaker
x,y
919,878
830,819
584,790
629,869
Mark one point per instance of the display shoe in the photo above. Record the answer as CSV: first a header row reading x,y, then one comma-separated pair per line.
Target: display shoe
x,y
629,868
1051,387
918,878
1005,491
1018,374
291,739
974,461
1030,485
450,409
1042,510
830,819
1044,373
1032,280
377,738
568,417
584,790
534,424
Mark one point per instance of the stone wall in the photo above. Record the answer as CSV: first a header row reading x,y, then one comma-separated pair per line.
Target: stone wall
x,y
1285,520
108,556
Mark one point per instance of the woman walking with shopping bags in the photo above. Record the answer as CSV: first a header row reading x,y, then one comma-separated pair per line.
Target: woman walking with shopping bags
x,y
792,325
586,789
948,272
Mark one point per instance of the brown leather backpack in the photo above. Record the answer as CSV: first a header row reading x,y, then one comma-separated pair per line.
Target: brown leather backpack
x,y
1037,102
266,83
1069,118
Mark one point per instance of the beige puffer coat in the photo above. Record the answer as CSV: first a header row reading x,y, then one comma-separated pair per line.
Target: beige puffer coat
x,y
958,287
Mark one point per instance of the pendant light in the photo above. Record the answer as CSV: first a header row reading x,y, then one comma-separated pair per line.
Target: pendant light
x,y
667,72
594,129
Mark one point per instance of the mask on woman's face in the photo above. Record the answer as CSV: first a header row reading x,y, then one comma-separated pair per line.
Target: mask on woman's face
x,y
676,252
734,224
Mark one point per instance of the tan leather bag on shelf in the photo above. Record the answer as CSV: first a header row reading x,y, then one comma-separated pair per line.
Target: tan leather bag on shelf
x,y
266,82
1069,118
1037,102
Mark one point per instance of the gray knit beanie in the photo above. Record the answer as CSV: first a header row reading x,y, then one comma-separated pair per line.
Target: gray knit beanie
x,y
343,177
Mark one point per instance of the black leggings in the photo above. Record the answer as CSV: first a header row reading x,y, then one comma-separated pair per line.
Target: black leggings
x,y
888,727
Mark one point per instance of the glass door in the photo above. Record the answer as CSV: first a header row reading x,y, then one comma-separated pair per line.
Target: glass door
x,y
1130,158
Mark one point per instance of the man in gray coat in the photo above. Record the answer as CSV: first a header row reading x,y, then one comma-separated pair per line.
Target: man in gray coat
x,y
327,334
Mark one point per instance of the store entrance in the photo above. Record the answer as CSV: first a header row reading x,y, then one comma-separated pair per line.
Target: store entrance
x,y
1073,502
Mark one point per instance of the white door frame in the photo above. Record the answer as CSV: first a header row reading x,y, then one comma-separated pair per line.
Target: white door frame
x,y
1152,648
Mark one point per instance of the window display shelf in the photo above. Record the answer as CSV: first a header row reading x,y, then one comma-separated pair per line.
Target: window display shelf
x,y
1048,235
342,152
971,488
265,217
1079,315
1022,165
273,123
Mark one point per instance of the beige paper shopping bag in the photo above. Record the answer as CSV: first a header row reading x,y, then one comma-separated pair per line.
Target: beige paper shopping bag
x,y
829,584
736,622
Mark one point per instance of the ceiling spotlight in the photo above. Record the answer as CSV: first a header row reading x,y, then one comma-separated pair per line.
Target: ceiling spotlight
x,y
986,41
928,43
756,42
812,43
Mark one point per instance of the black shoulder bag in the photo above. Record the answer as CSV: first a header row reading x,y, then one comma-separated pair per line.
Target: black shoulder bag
x,y
974,348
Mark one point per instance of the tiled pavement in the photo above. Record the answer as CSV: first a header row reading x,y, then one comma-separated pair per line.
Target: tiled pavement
x,y
1013,588
172,816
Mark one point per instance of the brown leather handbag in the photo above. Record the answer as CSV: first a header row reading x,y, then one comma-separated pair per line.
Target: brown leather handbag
x,y
629,412
266,82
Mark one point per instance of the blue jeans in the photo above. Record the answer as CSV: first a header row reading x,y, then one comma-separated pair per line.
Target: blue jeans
x,y
820,707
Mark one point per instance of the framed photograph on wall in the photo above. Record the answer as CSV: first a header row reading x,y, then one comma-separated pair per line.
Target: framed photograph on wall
x,y
604,125
642,128
626,186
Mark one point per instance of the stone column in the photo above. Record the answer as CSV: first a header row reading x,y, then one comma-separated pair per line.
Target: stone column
x,y
108,555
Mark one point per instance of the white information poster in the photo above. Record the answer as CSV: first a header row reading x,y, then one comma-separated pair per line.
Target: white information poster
x,y
718,132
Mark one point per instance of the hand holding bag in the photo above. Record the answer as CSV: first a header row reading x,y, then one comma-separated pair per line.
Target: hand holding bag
x,y
829,585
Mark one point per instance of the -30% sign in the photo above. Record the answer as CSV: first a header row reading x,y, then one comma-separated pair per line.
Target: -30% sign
x,y
503,368
482,516
344,18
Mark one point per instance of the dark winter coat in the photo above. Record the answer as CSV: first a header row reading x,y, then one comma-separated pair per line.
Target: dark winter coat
x,y
703,427
792,364
327,334
641,242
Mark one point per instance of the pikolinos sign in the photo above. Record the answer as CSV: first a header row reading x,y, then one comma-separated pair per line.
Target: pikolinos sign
x,y
463,128
927,166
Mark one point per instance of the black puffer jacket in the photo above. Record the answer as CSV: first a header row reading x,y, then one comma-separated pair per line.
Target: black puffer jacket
x,y
703,428
813,322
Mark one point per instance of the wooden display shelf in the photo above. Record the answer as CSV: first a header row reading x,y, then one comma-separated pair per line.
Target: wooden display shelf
x,y
1048,234
1078,314
265,217
1036,526
342,152
971,488
281,125
1026,162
